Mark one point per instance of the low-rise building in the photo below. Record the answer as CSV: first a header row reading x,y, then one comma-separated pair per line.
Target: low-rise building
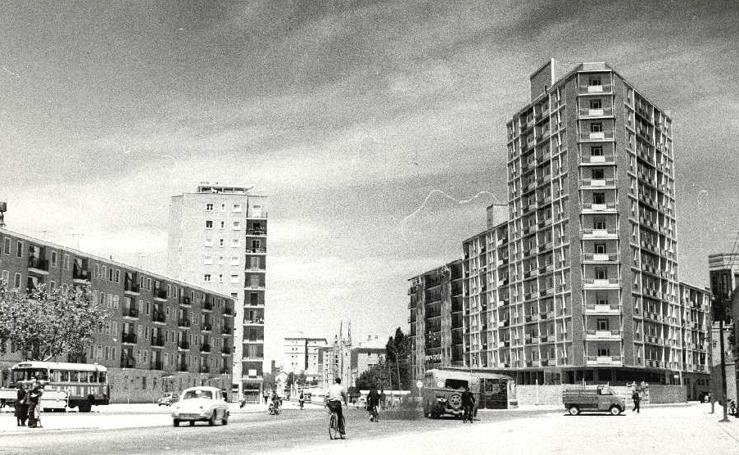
x,y
162,335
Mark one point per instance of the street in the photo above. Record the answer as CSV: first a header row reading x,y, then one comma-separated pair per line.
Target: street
x,y
668,429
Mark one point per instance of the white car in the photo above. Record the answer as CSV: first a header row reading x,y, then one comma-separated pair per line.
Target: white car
x,y
205,404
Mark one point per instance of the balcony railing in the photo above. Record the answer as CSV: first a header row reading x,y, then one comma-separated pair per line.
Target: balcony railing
x,y
183,322
606,282
38,264
79,273
605,88
157,341
605,111
131,286
128,338
158,316
599,207
159,293
598,183
604,334
183,344
604,360
256,250
599,233
256,232
205,348
600,257
128,362
130,313
596,135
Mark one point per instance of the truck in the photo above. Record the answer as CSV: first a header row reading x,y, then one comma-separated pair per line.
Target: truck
x,y
592,399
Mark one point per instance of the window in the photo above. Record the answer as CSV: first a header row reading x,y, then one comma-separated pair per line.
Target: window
x,y
19,249
594,81
65,262
209,207
234,243
598,174
53,258
595,104
601,273
236,225
206,277
220,242
223,224
5,276
599,198
599,223
6,245
603,324
596,127
117,276
601,298
237,208
234,279
596,150
600,248
208,224
17,280
220,278
604,351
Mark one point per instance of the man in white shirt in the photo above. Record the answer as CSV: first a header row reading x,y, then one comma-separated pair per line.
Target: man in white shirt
x,y
336,394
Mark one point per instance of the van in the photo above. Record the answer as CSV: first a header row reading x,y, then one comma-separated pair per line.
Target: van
x,y
442,391
592,399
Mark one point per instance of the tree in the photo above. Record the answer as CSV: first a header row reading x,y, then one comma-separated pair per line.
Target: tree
x,y
397,351
374,376
47,323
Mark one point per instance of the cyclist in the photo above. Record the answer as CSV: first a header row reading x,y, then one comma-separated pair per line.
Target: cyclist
x,y
337,394
468,404
276,401
373,400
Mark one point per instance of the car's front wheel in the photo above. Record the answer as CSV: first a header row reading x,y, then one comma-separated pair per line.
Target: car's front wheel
x,y
212,420
573,410
615,410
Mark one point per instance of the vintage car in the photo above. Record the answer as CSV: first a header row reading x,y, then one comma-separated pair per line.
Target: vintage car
x,y
168,399
592,399
442,391
205,404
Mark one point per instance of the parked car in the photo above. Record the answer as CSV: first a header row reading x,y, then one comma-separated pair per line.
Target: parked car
x,y
205,404
168,399
592,399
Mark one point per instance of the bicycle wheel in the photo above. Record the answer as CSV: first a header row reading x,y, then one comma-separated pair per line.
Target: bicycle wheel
x,y
333,427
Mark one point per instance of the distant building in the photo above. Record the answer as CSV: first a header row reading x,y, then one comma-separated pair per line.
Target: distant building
x,y
728,264
342,359
163,335
301,356
218,240
436,318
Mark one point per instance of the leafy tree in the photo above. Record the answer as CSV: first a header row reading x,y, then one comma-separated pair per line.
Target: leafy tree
x,y
397,351
47,323
374,376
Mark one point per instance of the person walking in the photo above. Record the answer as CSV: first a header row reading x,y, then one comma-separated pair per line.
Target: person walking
x,y
265,394
373,401
383,399
468,404
301,399
637,399
21,406
34,397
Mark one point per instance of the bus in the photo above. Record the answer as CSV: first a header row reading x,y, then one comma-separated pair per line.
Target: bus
x,y
85,384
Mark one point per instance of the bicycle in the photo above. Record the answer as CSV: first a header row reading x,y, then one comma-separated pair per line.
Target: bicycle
x,y
374,416
273,410
334,431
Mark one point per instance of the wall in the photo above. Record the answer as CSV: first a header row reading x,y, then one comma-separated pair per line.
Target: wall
x,y
551,395
128,385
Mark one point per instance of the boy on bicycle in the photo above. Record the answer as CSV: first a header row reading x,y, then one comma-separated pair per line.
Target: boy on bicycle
x,y
373,401
337,394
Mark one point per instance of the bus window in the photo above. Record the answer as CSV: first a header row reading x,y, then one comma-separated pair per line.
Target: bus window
x,y
54,375
72,376
64,376
93,376
101,377
83,376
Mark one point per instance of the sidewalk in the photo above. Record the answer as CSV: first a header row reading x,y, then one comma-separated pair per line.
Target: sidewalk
x,y
114,416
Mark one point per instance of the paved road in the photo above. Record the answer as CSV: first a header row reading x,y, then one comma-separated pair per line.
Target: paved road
x,y
293,430
675,430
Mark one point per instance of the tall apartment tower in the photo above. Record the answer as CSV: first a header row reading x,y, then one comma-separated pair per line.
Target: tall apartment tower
x,y
218,240
593,245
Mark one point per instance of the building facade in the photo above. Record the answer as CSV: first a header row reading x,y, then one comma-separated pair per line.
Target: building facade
x,y
581,282
301,356
218,240
162,335
345,360
725,268
436,318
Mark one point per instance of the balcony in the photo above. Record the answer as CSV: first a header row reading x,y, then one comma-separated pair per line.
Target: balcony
x,y
131,287
599,207
595,89
158,316
206,327
597,136
256,250
129,338
256,232
207,305
130,313
157,341
226,350
608,283
254,286
160,294
204,369
603,112
228,311
156,365
183,344
37,265
612,309
225,330
185,301
182,367
600,257
80,273
598,183
205,347
128,362
603,335
183,323
614,360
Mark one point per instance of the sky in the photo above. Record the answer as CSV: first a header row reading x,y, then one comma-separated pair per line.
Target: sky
x,y
348,115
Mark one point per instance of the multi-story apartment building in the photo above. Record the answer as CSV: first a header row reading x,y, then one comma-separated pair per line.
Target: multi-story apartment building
x,y
581,282
301,356
436,318
218,240
724,268
161,335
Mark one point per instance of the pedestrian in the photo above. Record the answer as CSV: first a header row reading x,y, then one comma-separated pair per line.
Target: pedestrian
x,y
34,397
373,400
637,399
301,399
265,394
21,406
383,398
468,404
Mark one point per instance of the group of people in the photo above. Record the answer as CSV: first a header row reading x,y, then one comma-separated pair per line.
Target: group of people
x,y
27,405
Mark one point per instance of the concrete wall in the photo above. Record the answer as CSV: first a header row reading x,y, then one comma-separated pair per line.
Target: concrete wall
x,y
550,395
